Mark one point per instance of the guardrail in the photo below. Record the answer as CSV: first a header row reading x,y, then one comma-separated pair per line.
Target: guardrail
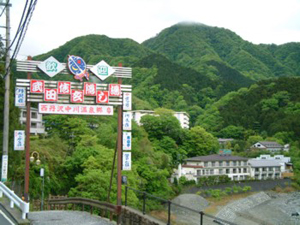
x,y
14,200
169,204
104,206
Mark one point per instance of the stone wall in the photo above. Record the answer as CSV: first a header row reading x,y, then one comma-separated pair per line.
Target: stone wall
x,y
133,217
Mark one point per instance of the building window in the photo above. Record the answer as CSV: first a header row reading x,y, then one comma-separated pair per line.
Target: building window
x,y
221,163
211,171
220,171
213,164
227,171
206,164
234,171
24,114
34,115
33,125
227,163
198,172
234,163
256,169
245,170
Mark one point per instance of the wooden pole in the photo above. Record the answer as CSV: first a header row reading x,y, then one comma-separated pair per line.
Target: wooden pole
x,y
27,153
119,164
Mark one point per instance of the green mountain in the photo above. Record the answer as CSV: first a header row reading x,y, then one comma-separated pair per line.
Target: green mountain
x,y
93,48
195,45
187,66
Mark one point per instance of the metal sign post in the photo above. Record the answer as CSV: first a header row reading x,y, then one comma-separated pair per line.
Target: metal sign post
x,y
42,174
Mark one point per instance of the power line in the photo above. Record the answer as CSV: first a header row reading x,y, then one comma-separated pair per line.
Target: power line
x,y
20,25
23,26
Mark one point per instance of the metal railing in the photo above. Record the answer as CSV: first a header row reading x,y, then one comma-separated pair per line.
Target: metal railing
x,y
93,204
169,204
14,200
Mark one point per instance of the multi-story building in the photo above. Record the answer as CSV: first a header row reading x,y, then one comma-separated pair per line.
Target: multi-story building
x,y
264,169
37,125
182,117
235,167
270,167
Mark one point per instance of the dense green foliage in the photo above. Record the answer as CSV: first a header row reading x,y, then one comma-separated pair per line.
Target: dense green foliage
x,y
195,45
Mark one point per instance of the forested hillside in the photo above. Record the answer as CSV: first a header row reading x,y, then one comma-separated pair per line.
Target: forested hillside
x,y
230,88
193,45
269,107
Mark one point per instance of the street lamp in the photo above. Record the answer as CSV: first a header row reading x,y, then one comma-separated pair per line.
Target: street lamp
x,y
35,155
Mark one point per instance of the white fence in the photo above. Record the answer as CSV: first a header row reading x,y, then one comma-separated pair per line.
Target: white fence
x,y
14,200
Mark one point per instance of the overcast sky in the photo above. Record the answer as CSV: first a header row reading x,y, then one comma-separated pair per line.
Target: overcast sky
x,y
54,22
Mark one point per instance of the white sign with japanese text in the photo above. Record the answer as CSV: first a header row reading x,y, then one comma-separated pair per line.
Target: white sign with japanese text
x,y
126,120
4,168
126,140
20,96
102,70
70,109
126,160
127,101
19,140
51,66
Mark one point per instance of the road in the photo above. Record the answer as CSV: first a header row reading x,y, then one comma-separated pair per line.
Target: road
x,y
4,220
66,218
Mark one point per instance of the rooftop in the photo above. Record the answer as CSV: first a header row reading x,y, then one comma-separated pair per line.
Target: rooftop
x,y
216,157
263,163
270,144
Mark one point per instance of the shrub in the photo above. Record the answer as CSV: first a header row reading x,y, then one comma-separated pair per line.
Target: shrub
x,y
246,188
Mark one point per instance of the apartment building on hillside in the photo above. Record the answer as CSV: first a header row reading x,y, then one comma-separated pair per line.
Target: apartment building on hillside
x,y
37,125
235,167
182,117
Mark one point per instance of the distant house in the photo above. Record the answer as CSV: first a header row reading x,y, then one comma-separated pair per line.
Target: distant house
x,y
235,167
37,125
224,141
271,146
182,117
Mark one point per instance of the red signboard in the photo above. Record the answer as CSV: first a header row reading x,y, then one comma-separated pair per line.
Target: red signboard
x,y
102,97
50,95
90,89
77,96
37,86
115,90
64,88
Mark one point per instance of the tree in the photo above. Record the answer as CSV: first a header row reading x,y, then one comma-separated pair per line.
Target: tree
x,y
199,142
163,123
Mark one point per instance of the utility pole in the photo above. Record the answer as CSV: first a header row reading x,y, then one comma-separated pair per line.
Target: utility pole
x,y
6,97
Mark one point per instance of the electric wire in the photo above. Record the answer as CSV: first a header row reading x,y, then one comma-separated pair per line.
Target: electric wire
x,y
20,25
23,26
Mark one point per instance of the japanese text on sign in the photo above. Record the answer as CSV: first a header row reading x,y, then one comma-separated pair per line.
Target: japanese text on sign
x,y
19,140
126,140
20,96
126,160
46,108
126,121
127,101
